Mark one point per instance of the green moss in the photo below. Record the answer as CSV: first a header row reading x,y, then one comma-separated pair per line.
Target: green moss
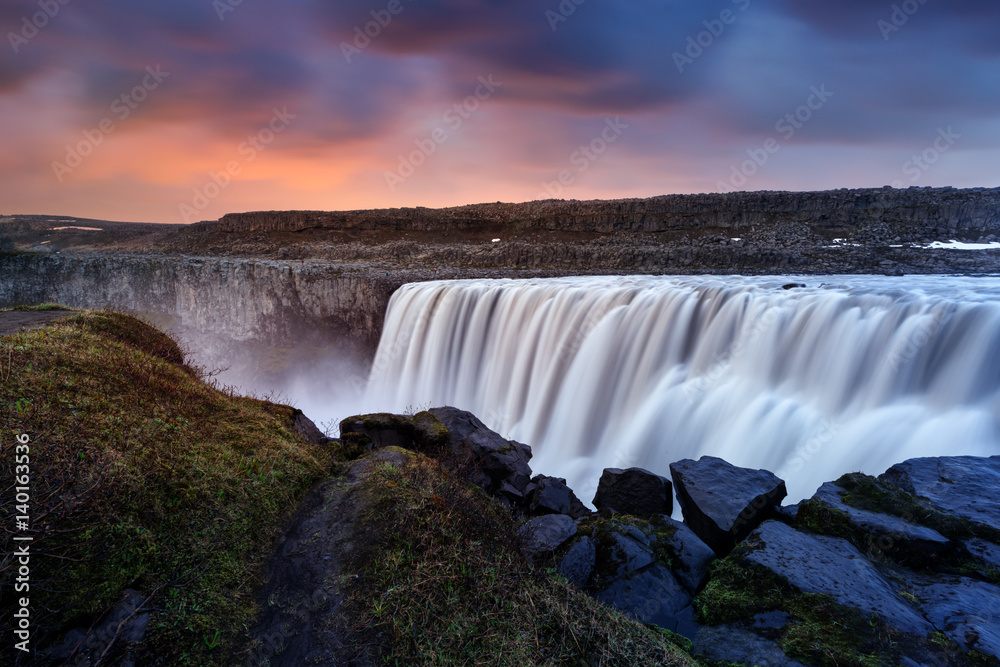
x,y
429,433
353,446
866,492
737,590
423,431
820,631
149,478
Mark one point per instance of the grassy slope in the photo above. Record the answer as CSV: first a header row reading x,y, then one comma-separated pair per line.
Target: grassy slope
x,y
444,583
144,476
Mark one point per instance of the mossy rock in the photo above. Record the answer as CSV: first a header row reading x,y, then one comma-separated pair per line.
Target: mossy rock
x,y
428,431
422,432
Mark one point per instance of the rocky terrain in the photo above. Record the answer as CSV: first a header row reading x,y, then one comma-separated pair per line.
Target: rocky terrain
x,y
903,569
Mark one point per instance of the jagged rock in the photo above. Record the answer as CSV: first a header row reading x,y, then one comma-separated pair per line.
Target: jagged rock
x,y
307,429
634,533
545,534
961,485
620,555
967,611
891,533
692,555
731,644
986,553
498,460
832,566
723,503
578,563
552,496
634,491
651,596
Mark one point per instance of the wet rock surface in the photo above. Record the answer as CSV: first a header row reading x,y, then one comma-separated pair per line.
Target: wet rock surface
x,y
634,491
551,495
832,566
733,644
889,530
651,596
722,503
963,486
691,555
545,534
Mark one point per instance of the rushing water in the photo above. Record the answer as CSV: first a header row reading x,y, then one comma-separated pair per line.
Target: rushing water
x,y
848,373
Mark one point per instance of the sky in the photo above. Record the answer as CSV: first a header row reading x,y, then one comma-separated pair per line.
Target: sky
x,y
180,111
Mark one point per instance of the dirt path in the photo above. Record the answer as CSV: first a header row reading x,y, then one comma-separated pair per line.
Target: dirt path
x,y
12,321
301,622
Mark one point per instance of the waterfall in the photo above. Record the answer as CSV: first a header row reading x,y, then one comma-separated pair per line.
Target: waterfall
x,y
848,373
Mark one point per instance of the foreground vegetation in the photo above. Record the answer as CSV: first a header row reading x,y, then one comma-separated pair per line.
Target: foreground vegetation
x,y
443,582
143,476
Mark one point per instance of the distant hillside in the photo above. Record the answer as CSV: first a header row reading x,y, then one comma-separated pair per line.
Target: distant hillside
x,y
831,212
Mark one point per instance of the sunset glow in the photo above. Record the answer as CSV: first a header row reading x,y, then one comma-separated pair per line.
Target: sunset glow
x,y
187,110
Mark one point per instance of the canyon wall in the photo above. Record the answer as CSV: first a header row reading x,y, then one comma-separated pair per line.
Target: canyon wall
x,y
837,212
269,302
305,336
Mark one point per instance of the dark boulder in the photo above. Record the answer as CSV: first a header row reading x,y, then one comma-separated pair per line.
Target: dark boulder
x,y
494,459
550,495
578,563
651,596
545,534
691,556
383,430
307,429
634,491
965,486
723,503
832,566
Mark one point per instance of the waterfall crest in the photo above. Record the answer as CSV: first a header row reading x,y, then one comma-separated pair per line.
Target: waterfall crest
x,y
849,373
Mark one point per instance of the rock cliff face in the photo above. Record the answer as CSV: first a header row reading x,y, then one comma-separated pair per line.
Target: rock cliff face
x,y
270,302
260,322
917,210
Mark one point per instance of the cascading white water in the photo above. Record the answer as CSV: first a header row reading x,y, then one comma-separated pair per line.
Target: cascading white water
x,y
849,373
